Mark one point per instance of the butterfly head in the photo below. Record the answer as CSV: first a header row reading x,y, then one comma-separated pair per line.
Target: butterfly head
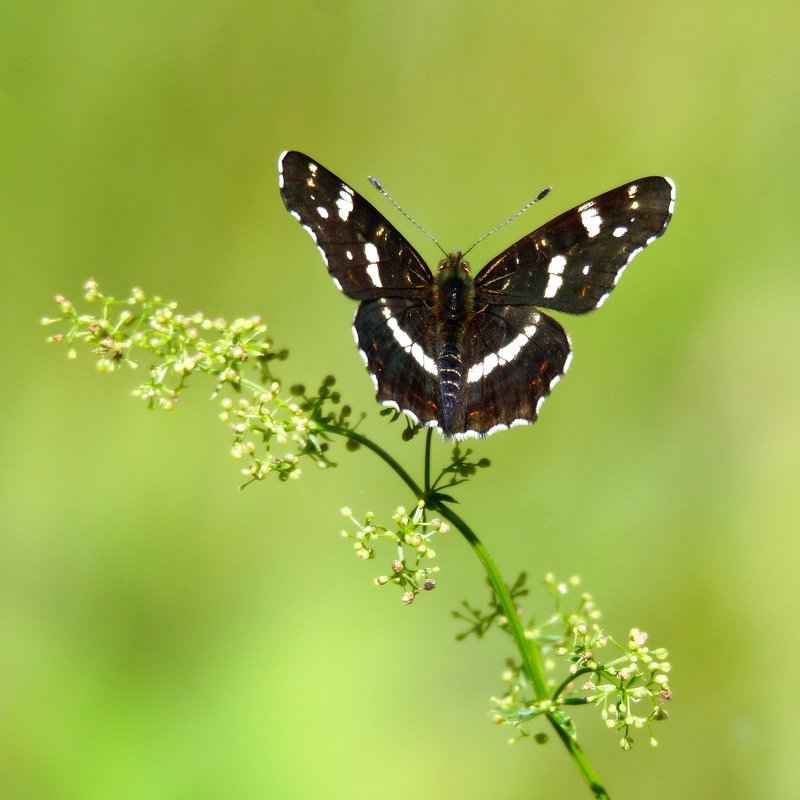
x,y
453,264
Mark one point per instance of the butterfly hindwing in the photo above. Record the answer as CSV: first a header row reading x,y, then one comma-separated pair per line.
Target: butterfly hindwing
x,y
572,262
514,357
365,255
396,338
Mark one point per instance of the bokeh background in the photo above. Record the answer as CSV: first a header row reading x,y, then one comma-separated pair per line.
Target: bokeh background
x,y
163,635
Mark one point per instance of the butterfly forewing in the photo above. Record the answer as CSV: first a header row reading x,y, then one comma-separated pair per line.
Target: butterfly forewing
x,y
366,256
572,262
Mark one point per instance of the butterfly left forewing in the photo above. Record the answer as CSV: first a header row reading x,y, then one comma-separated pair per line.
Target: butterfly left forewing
x,y
365,255
572,262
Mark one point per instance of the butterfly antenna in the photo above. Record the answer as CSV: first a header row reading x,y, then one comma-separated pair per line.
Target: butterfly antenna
x,y
542,194
377,184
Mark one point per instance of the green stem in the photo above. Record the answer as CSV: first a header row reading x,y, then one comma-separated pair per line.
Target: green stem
x,y
528,650
591,778
381,453
428,437
570,680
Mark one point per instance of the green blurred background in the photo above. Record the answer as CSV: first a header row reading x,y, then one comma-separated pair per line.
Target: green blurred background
x,y
163,635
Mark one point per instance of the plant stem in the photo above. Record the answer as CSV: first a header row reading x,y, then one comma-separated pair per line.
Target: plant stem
x,y
381,453
528,650
591,778
531,658
428,437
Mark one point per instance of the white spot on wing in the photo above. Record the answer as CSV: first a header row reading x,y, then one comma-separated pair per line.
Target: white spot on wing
x,y
406,342
418,354
632,189
503,355
323,212
349,255
555,269
364,357
620,231
633,254
585,270
591,220
458,437
371,252
410,414
345,203
400,336
556,265
322,253
512,349
553,285
280,168
501,426
672,194
477,371
374,275
312,168
336,283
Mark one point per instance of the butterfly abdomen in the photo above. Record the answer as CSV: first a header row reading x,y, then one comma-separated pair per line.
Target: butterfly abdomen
x,y
454,300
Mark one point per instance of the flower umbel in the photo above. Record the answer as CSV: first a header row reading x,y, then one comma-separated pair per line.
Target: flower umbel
x,y
411,536
630,686
271,428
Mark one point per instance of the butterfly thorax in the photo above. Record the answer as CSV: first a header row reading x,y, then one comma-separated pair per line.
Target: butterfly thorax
x,y
453,304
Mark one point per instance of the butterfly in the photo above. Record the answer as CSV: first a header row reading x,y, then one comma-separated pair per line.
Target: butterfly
x,y
466,355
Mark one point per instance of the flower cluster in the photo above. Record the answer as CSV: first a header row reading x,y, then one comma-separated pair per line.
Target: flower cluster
x,y
411,536
630,685
271,430
274,433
